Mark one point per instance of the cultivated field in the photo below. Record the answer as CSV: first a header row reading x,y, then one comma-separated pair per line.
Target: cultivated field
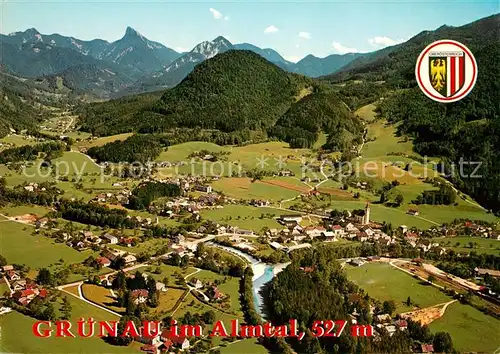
x,y
102,141
246,217
168,299
18,245
470,329
17,336
267,189
102,296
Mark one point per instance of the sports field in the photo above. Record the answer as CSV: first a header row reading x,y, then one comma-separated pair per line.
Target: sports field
x,y
383,282
246,217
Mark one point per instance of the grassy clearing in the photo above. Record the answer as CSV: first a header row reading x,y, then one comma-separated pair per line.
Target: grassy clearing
x,y
19,246
484,245
386,141
72,289
383,282
395,216
470,329
101,296
17,210
181,152
366,112
17,336
193,305
168,299
244,188
16,140
4,288
245,346
102,141
229,287
149,246
246,217
168,271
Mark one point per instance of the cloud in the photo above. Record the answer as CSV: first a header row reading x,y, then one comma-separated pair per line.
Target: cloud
x,y
181,49
218,15
271,29
341,49
292,58
297,46
383,41
304,35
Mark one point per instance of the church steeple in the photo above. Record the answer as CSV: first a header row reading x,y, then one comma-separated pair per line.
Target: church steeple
x,y
366,218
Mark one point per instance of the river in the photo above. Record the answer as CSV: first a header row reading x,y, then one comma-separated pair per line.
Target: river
x,y
262,274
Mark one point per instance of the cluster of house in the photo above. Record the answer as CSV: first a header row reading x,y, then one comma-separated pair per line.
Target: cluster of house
x,y
424,244
164,342
360,229
110,256
384,322
472,229
86,239
193,206
121,197
211,292
139,296
23,291
34,187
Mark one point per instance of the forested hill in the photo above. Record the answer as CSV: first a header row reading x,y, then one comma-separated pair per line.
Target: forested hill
x,y
233,91
466,130
22,102
317,112
234,97
396,65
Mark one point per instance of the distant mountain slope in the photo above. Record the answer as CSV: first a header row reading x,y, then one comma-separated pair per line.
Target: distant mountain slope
x,y
176,71
397,63
140,65
98,80
93,48
314,67
232,91
39,59
267,53
22,103
464,133
137,54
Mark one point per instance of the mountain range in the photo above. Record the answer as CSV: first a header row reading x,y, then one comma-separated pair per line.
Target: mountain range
x,y
132,64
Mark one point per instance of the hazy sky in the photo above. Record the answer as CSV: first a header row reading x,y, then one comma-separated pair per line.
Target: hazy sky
x,y
293,28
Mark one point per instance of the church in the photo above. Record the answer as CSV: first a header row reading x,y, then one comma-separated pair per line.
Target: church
x,y
363,218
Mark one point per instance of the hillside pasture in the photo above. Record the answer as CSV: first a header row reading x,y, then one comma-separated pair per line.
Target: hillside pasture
x,y
470,329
